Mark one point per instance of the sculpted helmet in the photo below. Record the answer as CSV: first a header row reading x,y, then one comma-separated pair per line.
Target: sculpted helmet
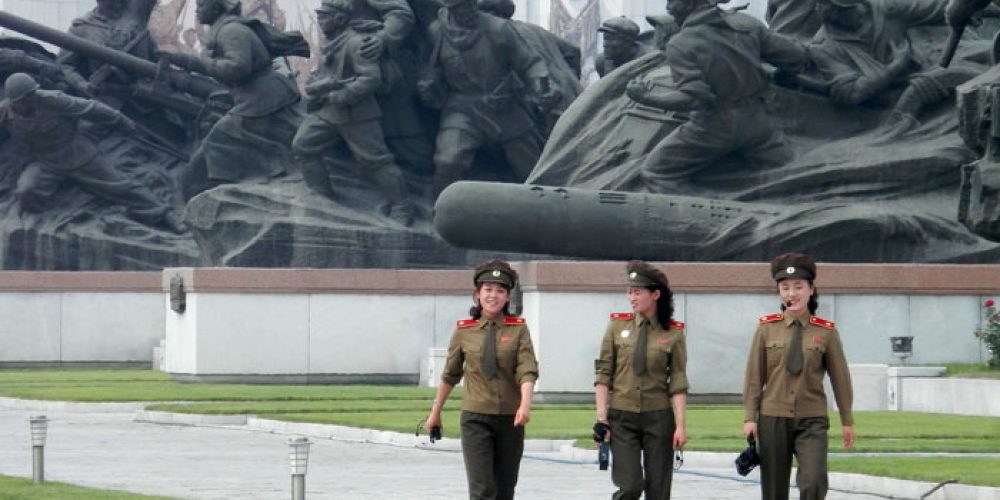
x,y
19,85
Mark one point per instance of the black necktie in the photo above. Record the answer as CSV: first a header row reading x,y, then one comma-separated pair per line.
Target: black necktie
x,y
490,350
639,363
794,361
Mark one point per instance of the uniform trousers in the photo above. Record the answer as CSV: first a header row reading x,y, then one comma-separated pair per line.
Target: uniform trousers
x,y
780,438
492,449
743,128
456,149
38,184
642,442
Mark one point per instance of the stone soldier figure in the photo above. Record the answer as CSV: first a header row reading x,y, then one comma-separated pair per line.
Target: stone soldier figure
x,y
561,57
46,123
253,139
715,63
543,40
342,91
390,41
116,24
22,56
863,50
122,25
621,44
474,75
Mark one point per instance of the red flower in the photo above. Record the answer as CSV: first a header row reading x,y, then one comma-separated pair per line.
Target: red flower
x,y
989,303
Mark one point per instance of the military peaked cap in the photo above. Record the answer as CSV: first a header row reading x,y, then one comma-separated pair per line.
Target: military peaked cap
x,y
495,271
642,274
793,265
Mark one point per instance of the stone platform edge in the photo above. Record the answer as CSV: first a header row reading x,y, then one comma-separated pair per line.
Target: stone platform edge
x,y
596,276
556,276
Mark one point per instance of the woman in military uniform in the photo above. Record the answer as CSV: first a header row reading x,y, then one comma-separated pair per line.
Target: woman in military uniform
x,y
641,387
493,351
783,397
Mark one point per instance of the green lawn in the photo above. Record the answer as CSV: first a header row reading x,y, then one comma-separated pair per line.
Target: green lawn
x,y
967,470
977,370
15,488
403,408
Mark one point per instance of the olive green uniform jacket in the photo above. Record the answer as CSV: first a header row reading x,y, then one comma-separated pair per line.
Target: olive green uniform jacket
x,y
666,362
769,389
516,364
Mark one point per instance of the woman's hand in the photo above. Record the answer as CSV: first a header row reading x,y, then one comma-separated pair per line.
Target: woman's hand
x,y
750,429
523,416
848,437
680,437
433,420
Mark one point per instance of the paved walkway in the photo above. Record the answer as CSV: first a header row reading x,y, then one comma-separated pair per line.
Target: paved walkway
x,y
111,451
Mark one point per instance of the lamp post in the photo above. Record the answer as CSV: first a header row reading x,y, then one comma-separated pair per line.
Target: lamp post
x,y
39,428
902,347
298,455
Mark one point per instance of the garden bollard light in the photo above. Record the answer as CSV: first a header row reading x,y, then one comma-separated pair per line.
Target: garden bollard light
x,y
902,347
298,454
39,426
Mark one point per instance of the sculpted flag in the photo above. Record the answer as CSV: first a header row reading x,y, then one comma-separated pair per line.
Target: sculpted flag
x,y
580,30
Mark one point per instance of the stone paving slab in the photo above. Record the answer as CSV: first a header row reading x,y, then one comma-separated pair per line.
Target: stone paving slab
x,y
110,450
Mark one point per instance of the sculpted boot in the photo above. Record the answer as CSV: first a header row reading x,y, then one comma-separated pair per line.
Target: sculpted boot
x,y
316,176
389,178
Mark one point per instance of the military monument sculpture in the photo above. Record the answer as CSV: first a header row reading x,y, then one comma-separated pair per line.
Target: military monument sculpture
x,y
855,188
861,160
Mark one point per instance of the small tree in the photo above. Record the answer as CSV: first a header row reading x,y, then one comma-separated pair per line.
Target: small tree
x,y
989,333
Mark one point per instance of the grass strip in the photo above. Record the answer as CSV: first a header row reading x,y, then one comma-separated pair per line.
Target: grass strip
x,y
15,488
979,471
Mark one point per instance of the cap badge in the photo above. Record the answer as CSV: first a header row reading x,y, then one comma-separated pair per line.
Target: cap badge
x,y
790,270
496,274
625,334
632,275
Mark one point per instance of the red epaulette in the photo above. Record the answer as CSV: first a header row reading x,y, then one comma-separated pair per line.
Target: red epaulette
x,y
513,320
624,316
465,323
676,324
771,318
818,321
